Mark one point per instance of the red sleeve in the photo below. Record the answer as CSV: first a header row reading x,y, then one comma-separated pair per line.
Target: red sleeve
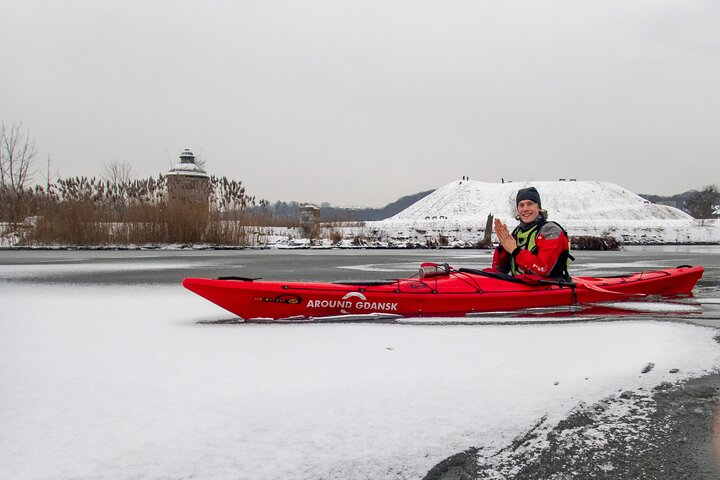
x,y
501,260
548,253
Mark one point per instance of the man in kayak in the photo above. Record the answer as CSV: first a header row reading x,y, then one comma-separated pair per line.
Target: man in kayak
x,y
536,246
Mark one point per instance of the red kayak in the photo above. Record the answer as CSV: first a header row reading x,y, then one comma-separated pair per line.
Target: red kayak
x,y
438,291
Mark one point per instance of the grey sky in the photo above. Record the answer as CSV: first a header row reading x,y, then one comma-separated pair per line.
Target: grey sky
x,y
362,102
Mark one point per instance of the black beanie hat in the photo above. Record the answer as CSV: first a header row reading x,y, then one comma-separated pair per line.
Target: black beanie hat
x,y
529,193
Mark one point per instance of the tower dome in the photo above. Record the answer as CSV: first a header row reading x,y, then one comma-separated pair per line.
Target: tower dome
x,y
187,166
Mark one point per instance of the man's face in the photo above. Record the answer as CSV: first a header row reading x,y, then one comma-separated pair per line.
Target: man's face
x,y
528,211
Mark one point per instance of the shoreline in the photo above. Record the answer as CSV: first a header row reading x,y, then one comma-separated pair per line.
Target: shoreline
x,y
667,433
181,246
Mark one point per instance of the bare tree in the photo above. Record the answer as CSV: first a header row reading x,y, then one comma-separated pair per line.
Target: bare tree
x,y
118,172
17,152
703,204
49,175
169,157
199,161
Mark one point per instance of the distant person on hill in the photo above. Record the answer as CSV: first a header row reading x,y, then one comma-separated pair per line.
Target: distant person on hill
x,y
536,246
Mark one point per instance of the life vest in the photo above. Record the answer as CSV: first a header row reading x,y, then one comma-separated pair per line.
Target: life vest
x,y
525,239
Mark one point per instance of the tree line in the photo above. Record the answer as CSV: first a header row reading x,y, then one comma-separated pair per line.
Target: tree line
x,y
84,211
700,204
120,209
329,214
117,208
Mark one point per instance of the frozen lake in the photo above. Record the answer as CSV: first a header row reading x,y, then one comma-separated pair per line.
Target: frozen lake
x,y
106,372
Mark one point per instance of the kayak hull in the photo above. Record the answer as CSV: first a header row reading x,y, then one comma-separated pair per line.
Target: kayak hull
x,y
457,294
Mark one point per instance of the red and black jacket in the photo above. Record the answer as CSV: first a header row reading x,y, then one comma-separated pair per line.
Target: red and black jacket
x,y
543,249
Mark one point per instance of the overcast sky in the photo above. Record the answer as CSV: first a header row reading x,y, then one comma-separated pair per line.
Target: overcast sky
x,y
359,103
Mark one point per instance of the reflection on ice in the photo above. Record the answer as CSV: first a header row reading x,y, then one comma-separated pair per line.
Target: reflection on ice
x,y
629,266
654,307
383,267
58,269
708,301
404,267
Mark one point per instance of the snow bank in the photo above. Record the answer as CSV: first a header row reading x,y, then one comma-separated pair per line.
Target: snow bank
x,y
123,383
459,211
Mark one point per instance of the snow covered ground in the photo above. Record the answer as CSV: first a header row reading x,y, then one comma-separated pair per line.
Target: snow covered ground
x,y
459,211
121,382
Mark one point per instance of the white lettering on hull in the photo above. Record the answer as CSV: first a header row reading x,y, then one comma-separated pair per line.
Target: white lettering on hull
x,y
363,305
376,306
329,304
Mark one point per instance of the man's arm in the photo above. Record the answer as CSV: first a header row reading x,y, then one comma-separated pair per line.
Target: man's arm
x,y
551,242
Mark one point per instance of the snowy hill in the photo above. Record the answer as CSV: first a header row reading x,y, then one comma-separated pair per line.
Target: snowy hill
x,y
459,210
565,201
